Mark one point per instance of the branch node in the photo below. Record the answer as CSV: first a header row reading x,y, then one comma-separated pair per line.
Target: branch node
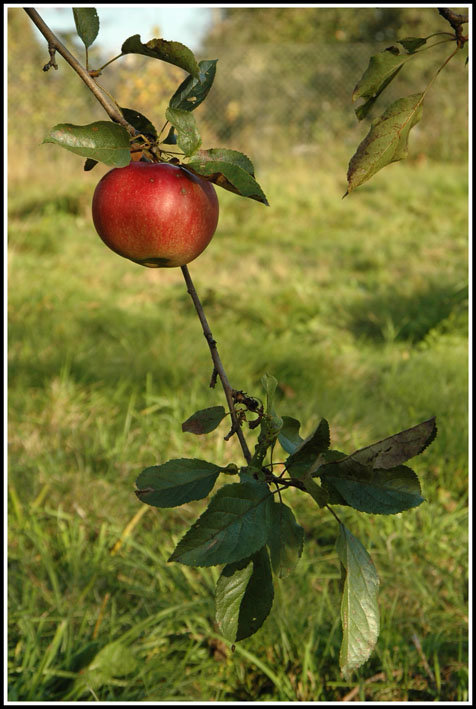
x,y
52,62
456,21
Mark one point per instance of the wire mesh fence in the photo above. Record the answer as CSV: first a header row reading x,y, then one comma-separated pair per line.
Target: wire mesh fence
x,y
267,99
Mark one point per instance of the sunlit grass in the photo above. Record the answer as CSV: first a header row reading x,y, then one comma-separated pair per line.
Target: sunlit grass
x,y
359,308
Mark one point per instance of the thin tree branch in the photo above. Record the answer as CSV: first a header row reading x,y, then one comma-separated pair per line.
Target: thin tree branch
x,y
217,364
54,44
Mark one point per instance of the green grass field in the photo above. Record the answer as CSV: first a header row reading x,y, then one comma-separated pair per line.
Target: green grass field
x,y
359,308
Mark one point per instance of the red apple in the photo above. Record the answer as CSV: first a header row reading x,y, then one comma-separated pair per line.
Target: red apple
x,y
155,214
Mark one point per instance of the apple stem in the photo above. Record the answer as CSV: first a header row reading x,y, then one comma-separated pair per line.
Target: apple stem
x,y
218,369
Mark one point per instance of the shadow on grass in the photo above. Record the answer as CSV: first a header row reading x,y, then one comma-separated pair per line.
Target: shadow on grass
x,y
398,316
102,346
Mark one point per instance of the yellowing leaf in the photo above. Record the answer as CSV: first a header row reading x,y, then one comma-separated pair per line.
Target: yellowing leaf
x,y
386,142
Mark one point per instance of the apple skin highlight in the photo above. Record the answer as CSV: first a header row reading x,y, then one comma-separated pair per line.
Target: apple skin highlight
x,y
155,214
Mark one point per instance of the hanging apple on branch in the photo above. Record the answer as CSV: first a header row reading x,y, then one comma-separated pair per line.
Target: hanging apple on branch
x,y
158,207
165,213
155,214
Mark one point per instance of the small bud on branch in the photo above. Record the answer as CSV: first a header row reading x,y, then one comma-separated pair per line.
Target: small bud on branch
x,y
52,62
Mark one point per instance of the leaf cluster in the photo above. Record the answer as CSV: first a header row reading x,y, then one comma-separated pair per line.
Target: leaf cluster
x,y
249,530
179,141
387,139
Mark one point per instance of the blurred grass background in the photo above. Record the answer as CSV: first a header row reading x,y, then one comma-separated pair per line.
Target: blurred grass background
x,y
358,307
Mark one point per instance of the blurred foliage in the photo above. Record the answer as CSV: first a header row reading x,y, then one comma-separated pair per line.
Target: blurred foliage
x,y
38,100
318,24
283,87
285,78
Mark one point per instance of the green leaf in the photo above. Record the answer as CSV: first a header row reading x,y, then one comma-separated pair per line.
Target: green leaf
x,y
244,596
87,24
300,462
139,122
289,436
375,491
411,44
235,525
373,479
398,448
332,496
204,421
229,169
113,660
316,491
328,456
188,137
176,482
386,142
285,541
172,52
192,91
270,384
104,141
382,69
234,157
359,608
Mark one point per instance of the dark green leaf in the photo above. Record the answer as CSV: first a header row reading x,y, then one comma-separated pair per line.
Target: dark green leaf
x,y
244,596
139,122
300,462
386,142
171,138
411,44
316,491
359,608
382,69
235,525
373,479
172,52
176,482
87,24
328,456
89,164
285,541
376,491
192,91
289,436
228,169
188,137
204,421
103,141
231,469
398,448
